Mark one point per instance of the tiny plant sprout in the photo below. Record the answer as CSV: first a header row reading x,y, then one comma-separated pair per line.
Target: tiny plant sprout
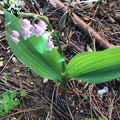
x,y
25,24
14,36
102,91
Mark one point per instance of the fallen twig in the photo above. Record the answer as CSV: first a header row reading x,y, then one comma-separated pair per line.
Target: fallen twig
x,y
82,25
21,111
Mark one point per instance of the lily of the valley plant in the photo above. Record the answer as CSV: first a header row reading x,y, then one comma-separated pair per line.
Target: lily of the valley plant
x,y
33,44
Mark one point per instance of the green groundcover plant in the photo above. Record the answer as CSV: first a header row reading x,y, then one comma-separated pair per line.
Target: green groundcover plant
x,y
9,101
36,45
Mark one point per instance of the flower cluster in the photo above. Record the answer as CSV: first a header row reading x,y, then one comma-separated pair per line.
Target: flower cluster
x,y
26,26
27,30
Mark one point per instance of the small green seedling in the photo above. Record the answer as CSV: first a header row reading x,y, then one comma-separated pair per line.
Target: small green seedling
x,y
85,97
23,93
8,102
5,76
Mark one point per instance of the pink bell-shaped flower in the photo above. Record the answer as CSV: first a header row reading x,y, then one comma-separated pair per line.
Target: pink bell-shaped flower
x,y
49,45
14,36
43,25
26,33
25,24
14,33
37,30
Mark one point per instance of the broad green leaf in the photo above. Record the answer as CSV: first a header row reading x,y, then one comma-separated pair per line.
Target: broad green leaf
x,y
32,51
95,67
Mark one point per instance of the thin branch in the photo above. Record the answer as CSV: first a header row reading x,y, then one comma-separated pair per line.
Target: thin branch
x,y
81,24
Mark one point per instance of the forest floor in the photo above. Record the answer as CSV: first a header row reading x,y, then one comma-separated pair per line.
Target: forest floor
x,y
76,100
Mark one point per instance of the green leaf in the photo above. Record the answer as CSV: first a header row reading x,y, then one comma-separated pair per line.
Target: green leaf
x,y
2,113
95,67
11,104
8,107
89,119
100,118
23,93
11,2
14,102
5,98
85,97
13,95
32,51
5,76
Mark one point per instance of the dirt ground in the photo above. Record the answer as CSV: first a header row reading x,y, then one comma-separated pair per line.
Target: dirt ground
x,y
76,100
